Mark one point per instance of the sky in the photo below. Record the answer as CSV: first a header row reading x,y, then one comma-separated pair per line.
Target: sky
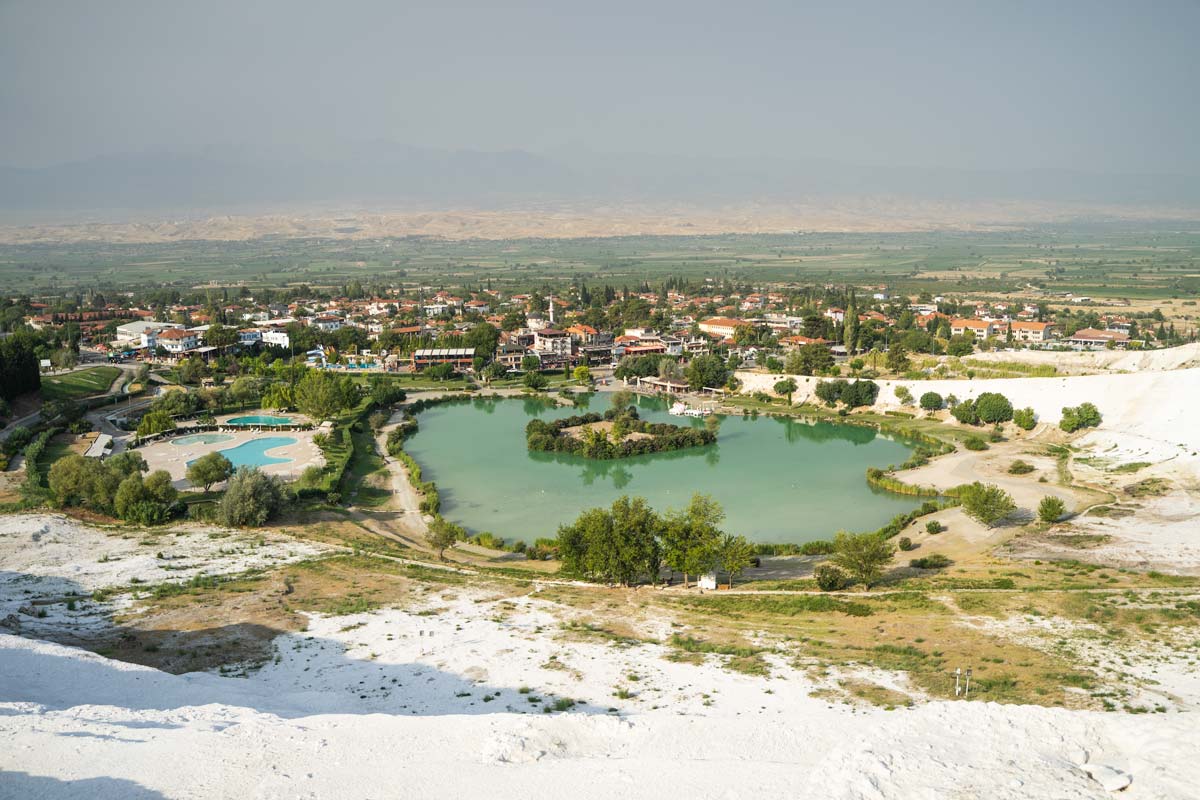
x,y
1094,86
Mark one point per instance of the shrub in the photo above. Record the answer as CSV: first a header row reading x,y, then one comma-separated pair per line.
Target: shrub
x,y
965,413
1024,418
251,498
932,401
986,503
931,561
1020,467
906,544
829,578
1085,415
975,443
903,395
933,526
1051,509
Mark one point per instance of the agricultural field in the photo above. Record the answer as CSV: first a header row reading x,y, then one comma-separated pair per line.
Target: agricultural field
x,y
1134,262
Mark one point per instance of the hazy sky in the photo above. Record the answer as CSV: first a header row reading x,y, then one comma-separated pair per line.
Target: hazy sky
x,y
1101,86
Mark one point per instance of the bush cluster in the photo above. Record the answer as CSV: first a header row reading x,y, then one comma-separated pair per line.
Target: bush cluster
x,y
548,437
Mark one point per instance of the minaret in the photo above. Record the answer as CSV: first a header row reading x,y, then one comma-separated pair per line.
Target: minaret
x,y
551,311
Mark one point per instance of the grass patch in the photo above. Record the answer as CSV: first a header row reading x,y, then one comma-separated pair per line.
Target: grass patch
x,y
74,385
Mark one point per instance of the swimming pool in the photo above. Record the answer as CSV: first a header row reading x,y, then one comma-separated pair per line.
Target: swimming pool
x,y
254,452
201,438
259,419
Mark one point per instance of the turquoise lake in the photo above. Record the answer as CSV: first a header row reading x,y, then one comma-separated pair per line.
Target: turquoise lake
x,y
779,480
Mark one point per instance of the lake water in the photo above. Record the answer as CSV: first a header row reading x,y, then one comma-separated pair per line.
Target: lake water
x,y
779,480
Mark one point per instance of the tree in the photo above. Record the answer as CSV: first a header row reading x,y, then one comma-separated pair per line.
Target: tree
x,y
809,359
786,387
903,395
986,503
1051,509
245,389
706,371
862,556
1085,415
530,363
442,535
830,578
959,346
965,412
692,535
582,374
220,336
1024,418
277,396
321,395
155,422
251,498
483,337
897,359
735,554
932,401
993,407
64,358
209,469
535,381
440,372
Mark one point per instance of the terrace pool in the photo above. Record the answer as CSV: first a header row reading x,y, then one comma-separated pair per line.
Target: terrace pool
x,y
259,419
201,438
254,452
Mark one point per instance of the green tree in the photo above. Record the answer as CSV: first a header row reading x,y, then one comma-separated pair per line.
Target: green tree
x,y
986,503
786,387
1085,415
735,553
209,469
251,498
1024,418
442,535
993,407
897,359
862,556
535,381
484,338
932,401
706,371
809,359
582,374
530,363
1051,509
245,389
321,395
692,536
155,422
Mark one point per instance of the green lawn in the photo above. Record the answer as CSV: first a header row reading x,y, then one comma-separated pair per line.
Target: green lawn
x,y
74,385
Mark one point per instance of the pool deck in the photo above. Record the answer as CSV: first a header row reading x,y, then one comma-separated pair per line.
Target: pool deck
x,y
174,458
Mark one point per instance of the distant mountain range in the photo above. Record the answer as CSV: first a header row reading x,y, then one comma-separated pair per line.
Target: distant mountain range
x,y
384,174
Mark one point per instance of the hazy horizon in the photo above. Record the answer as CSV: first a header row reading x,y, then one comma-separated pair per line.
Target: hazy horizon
x,y
144,104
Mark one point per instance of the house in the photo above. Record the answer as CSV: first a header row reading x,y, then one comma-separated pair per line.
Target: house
x,y
176,340
276,337
460,357
722,326
1033,331
249,336
796,342
583,334
981,328
838,315
327,323
549,340
1092,337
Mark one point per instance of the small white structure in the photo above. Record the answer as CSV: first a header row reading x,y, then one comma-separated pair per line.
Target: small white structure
x,y
707,581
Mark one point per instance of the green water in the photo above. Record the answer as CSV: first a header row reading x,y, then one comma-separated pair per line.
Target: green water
x,y
779,480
